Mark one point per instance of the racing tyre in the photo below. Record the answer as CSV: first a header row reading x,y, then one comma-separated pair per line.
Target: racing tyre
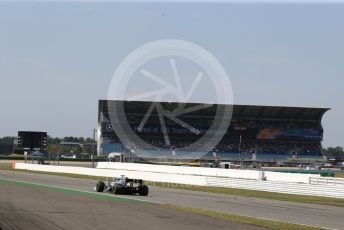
x,y
143,190
100,186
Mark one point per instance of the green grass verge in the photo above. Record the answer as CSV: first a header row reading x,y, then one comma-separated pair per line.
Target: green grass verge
x,y
268,224
5,166
337,202
98,196
340,175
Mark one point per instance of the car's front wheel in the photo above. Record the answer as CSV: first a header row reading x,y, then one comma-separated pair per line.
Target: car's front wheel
x,y
100,186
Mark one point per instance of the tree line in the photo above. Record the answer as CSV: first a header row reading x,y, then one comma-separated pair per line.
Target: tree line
x,y
334,152
53,145
85,149
80,140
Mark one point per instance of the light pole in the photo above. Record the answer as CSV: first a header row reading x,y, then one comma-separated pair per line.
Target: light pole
x,y
132,152
174,155
240,150
93,144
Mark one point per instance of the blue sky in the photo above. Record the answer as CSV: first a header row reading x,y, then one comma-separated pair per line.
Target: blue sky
x,y
57,59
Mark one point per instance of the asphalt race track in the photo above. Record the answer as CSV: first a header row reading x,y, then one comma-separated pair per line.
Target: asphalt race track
x,y
25,207
63,211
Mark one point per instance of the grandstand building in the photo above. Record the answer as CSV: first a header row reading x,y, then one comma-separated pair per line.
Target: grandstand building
x,y
255,133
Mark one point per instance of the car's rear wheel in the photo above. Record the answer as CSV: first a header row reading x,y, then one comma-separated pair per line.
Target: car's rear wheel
x,y
143,190
100,186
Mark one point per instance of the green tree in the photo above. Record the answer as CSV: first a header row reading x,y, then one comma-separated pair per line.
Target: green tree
x,y
54,148
335,152
7,138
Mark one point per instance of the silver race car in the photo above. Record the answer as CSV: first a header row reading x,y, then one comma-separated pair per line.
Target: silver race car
x,y
124,186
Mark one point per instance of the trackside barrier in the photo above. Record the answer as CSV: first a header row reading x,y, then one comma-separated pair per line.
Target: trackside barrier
x,y
258,185
279,187
328,181
214,172
149,176
183,170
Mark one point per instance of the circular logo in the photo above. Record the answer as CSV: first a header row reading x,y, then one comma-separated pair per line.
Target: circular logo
x,y
178,72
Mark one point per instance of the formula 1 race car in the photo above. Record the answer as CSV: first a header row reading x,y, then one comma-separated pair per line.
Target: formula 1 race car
x,y
124,186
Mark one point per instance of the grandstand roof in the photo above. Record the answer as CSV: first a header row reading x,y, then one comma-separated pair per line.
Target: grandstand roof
x,y
239,111
280,112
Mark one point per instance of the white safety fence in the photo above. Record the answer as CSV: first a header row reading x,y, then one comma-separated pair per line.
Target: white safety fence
x,y
328,181
182,170
148,176
214,181
279,187
213,172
